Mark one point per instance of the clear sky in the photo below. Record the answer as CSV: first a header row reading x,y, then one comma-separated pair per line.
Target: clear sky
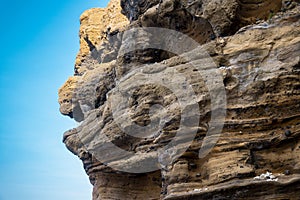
x,y
39,42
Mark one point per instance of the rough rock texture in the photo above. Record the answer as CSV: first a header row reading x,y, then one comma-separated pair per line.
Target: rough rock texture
x,y
96,25
258,63
225,16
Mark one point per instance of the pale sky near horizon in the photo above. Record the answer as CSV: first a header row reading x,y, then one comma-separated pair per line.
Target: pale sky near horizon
x,y
39,42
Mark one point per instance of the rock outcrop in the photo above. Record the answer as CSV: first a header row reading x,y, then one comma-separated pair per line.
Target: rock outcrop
x,y
182,99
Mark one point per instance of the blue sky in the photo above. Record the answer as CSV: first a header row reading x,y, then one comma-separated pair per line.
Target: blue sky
x,y
39,42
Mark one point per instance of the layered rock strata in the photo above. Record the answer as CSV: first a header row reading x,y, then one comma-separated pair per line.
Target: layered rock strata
x,y
251,47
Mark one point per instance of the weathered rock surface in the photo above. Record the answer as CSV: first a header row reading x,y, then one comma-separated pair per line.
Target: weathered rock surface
x,y
225,16
257,62
96,26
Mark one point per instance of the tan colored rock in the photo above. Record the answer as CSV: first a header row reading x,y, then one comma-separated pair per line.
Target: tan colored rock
x,y
95,24
66,93
257,155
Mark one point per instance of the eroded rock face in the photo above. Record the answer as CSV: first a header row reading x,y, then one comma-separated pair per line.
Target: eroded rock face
x,y
132,9
253,72
225,16
96,25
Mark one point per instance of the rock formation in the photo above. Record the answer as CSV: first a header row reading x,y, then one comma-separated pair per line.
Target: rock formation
x,y
188,99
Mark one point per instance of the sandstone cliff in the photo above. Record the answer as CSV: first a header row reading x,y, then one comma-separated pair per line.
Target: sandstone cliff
x,y
182,99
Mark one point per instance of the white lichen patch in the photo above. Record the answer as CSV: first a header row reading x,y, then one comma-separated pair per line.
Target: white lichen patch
x,y
200,189
266,177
